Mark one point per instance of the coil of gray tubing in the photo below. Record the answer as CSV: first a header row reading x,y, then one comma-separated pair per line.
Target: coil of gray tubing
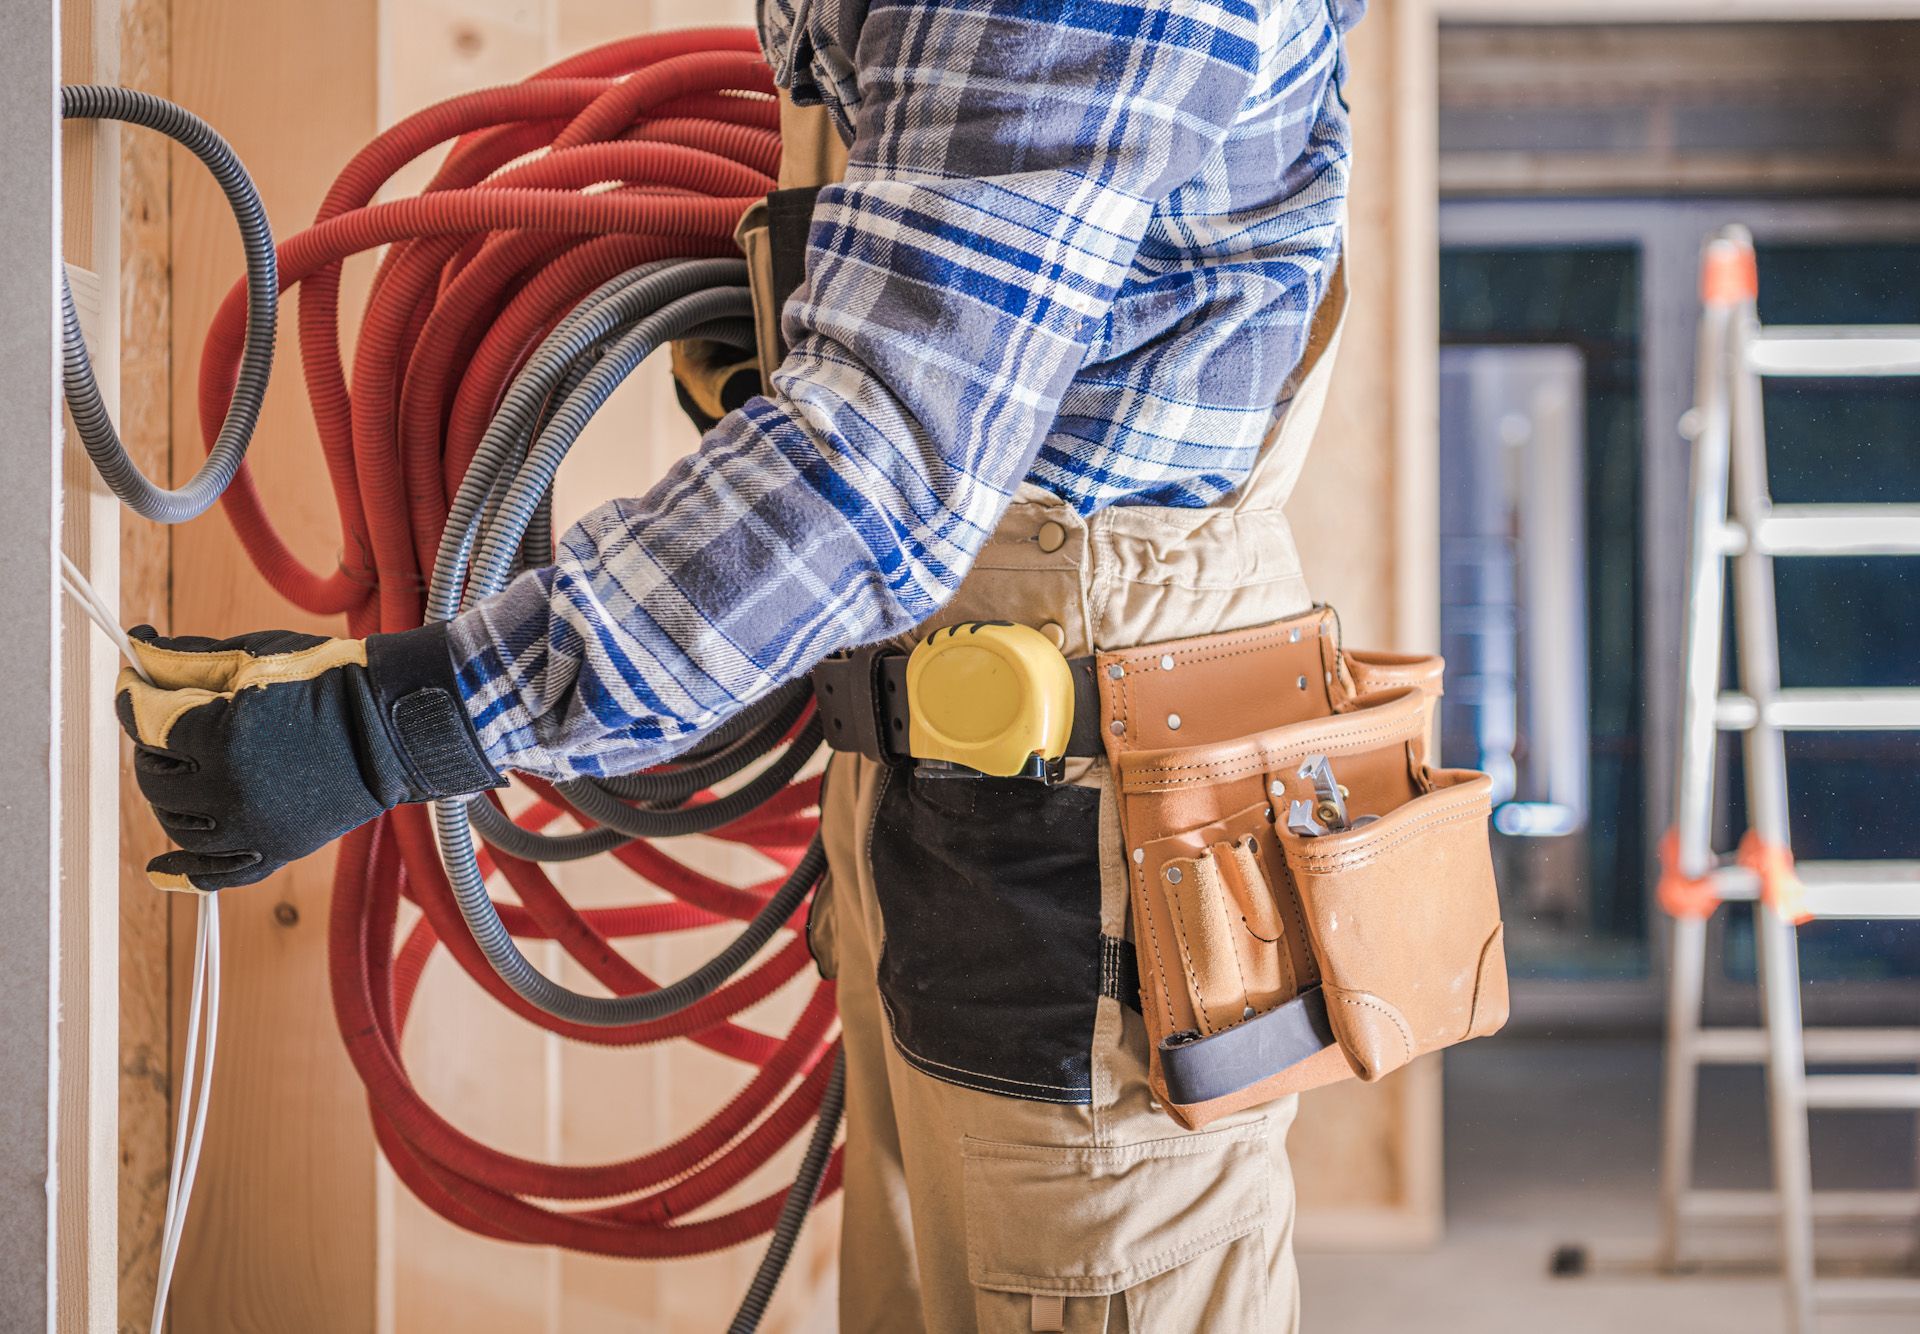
x,y
91,420
739,742
484,544
498,524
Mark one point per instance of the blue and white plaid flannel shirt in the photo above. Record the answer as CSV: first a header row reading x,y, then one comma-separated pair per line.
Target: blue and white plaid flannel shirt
x,y
1078,242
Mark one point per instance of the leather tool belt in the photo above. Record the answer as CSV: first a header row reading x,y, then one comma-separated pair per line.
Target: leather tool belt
x,y
1311,899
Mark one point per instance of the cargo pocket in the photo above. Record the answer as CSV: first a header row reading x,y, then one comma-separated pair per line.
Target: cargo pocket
x,y
1172,1231
990,963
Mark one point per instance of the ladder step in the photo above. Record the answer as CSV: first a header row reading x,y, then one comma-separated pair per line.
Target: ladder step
x,y
1867,1294
1835,890
1836,350
1863,1092
1829,1206
1804,710
1841,530
1839,1046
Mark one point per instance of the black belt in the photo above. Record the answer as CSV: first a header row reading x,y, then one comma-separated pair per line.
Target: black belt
x,y
863,705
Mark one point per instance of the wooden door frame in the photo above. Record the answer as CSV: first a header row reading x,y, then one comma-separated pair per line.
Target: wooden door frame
x,y
1412,613
1417,236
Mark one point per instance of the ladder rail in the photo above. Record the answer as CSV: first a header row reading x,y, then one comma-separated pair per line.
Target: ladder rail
x,y
1693,790
1757,639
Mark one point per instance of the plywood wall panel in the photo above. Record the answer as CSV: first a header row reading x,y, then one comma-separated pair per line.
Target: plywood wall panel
x,y
281,1236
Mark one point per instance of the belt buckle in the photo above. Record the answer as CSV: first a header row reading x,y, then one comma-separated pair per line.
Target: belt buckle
x,y
989,699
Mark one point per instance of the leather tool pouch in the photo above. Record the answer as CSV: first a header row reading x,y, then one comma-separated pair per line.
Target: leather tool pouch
x,y
1272,962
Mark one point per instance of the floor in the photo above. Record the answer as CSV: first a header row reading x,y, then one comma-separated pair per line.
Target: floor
x,y
1554,1144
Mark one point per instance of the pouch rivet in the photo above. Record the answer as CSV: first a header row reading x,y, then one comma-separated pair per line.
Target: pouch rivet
x,y
1278,788
1139,855
1302,683
1166,662
1116,671
1173,722
1269,814
1293,635
1117,727
1173,875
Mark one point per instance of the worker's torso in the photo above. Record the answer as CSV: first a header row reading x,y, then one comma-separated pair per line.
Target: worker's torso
x,y
1179,388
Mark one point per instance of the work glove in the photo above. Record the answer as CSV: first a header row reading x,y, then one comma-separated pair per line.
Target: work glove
x,y
255,751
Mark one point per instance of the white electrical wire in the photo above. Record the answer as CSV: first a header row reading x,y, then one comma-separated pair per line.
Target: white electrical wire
x,y
99,613
203,1008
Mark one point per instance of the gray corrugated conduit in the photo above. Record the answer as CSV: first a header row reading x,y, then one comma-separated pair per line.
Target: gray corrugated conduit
x,y
499,524
573,373
90,418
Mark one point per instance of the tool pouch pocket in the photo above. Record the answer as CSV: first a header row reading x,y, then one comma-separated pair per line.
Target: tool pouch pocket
x,y
1224,934
1270,961
1405,925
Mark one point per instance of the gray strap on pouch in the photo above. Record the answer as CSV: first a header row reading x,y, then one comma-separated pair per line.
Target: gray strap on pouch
x,y
1200,1069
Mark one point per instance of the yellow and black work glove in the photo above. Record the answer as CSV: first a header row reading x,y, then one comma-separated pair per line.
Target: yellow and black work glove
x,y
254,751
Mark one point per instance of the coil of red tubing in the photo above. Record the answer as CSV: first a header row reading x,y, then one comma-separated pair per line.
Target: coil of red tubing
x,y
640,150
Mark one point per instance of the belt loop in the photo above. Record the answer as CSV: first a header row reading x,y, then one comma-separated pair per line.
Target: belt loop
x,y
1049,1312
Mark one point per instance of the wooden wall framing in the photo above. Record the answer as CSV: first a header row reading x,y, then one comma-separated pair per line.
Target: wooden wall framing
x,y
146,567
59,1085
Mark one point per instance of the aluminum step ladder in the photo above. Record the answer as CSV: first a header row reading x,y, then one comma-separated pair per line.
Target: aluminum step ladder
x,y
1734,519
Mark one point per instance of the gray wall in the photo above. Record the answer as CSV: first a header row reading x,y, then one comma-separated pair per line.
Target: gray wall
x,y
29,496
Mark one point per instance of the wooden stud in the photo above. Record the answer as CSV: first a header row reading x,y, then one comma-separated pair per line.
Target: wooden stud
x,y
145,579
280,1236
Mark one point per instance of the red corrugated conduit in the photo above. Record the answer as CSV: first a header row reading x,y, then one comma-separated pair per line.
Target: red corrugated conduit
x,y
640,150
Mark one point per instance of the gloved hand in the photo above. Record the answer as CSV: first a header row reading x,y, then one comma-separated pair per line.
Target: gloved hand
x,y
255,751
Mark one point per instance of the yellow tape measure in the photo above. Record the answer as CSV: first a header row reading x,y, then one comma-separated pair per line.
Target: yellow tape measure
x,y
991,696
